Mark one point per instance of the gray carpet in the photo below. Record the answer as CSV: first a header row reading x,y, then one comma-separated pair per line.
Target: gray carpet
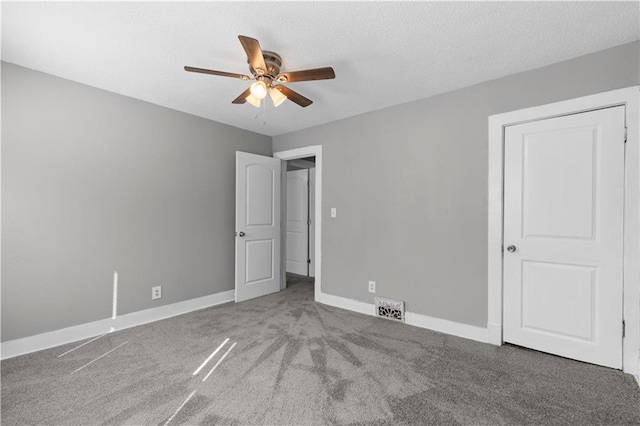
x,y
296,362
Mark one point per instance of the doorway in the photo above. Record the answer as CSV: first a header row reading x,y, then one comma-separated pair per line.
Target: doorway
x,y
300,219
260,245
315,207
563,233
538,310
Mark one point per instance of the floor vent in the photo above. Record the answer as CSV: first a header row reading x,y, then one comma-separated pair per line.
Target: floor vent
x,y
390,309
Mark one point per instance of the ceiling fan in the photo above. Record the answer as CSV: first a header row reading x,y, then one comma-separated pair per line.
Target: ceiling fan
x,y
265,70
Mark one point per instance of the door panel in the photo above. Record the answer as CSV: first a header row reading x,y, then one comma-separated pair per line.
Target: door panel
x,y
259,195
559,183
257,225
573,288
297,216
259,266
564,183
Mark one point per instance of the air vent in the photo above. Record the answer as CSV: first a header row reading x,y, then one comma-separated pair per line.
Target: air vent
x,y
390,309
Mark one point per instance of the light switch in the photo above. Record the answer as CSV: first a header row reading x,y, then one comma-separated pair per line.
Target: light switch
x,y
334,212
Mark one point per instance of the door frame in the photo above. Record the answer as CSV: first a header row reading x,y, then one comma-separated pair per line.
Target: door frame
x,y
292,154
629,97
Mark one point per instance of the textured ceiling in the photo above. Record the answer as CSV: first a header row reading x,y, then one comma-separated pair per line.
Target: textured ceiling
x,y
383,53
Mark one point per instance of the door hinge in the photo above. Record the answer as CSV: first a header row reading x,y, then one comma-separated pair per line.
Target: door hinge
x,y
625,134
308,221
623,328
309,261
309,183
502,248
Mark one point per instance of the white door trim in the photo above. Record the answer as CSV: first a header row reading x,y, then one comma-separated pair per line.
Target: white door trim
x,y
309,151
630,97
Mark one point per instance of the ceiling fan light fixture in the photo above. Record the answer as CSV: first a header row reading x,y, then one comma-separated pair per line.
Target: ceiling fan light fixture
x,y
259,89
265,72
277,96
254,101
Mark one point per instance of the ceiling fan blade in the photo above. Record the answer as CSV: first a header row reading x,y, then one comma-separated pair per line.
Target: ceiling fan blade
x,y
220,73
243,97
325,73
294,96
254,53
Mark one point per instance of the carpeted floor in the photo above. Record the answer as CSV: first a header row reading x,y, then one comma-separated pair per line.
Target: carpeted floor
x,y
291,361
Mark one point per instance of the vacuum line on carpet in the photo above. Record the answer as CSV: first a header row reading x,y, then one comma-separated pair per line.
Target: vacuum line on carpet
x,y
85,343
179,408
219,361
101,356
210,356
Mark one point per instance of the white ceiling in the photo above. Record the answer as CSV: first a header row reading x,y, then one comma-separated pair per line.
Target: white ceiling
x,y
383,53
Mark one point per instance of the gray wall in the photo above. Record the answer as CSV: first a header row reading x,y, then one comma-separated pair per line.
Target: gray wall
x,y
94,182
410,185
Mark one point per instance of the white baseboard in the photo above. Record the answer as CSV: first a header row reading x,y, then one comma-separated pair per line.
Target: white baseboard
x,y
348,304
459,329
51,339
423,321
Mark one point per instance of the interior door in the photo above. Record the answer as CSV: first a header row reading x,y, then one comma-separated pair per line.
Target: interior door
x,y
297,221
257,225
563,235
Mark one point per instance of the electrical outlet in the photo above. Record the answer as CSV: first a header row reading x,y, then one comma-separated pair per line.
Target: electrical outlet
x,y
372,286
156,292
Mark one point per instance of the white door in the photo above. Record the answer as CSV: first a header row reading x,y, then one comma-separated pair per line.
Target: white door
x,y
297,221
257,225
564,183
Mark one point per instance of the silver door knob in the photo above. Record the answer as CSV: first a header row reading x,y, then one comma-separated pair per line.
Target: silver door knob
x,y
240,234
511,249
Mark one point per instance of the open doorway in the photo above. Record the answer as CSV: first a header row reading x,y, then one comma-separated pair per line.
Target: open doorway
x,y
309,159
300,216
300,220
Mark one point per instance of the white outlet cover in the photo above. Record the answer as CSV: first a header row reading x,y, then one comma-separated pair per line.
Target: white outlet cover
x,y
334,212
372,286
156,292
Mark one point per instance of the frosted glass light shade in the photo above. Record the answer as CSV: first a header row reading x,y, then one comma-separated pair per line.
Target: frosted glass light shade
x,y
253,101
259,89
277,97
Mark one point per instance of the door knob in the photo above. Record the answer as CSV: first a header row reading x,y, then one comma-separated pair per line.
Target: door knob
x,y
511,249
240,234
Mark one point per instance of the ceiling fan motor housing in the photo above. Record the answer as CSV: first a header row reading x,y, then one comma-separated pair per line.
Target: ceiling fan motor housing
x,y
273,61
